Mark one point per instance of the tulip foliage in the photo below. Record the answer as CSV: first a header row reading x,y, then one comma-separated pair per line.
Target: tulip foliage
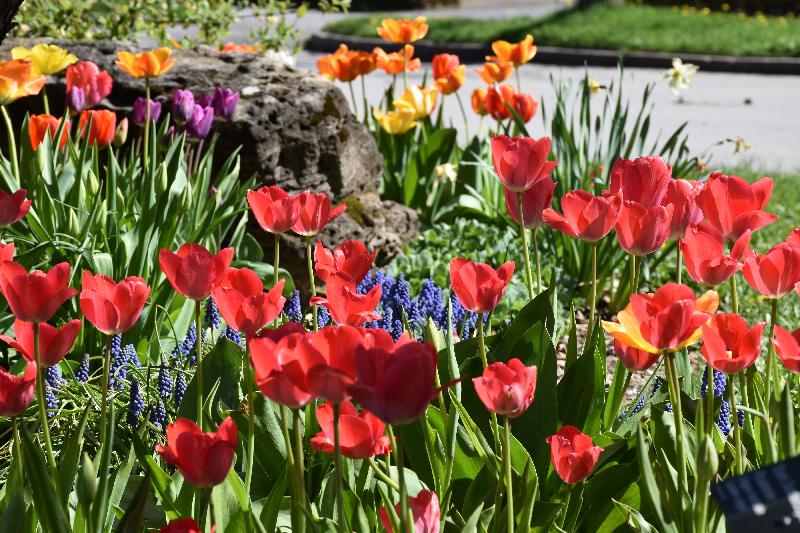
x,y
213,396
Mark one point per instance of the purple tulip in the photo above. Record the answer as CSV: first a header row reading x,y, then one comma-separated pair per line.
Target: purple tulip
x,y
76,99
204,99
200,123
140,111
224,102
182,105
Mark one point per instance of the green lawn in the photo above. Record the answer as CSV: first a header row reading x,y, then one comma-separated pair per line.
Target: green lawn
x,y
626,27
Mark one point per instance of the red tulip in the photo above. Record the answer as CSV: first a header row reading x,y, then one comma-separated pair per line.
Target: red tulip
x,y
734,206
572,454
112,307
272,352
634,358
507,388
525,105
347,264
643,180
642,230
682,196
346,306
586,216
275,210
775,273
6,252
424,509
87,85
13,207
520,162
728,345
383,385
478,286
534,201
41,125
703,249
102,129
315,213
194,271
496,100
203,459
787,346
184,525
54,343
360,434
35,296
17,392
243,303
794,237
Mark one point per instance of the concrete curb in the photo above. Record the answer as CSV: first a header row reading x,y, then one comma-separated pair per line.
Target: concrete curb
x,y
475,53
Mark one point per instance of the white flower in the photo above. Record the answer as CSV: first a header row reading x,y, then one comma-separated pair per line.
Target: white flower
x,y
446,171
680,75
280,56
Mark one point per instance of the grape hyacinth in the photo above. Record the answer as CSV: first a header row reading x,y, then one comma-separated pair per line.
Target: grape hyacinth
x,y
135,404
323,317
724,421
430,304
232,335
131,357
164,383
212,319
293,309
189,344
117,372
158,416
179,391
740,417
719,383
51,402
53,377
82,371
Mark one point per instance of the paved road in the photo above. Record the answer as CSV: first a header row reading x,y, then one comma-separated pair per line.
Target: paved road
x,y
761,109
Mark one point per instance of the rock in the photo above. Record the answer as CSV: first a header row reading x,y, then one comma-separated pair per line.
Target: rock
x,y
295,130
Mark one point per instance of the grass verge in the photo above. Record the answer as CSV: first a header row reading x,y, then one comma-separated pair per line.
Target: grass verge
x,y
626,27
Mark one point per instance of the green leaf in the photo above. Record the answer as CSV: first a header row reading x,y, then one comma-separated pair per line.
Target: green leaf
x,y
634,519
582,389
50,512
132,519
224,363
616,393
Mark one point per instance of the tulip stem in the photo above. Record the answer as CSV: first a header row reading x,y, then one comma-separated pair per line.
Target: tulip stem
x,y
40,393
678,264
406,525
300,468
508,475
709,399
310,259
525,253
405,74
18,453
464,116
199,372
734,296
147,126
675,398
737,434
277,261
210,508
45,102
770,357
382,476
12,144
353,97
251,422
104,397
337,460
537,260
593,300
290,469
485,362
634,275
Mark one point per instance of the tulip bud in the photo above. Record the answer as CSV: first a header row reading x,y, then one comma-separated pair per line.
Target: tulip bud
x,y
707,459
434,336
101,215
120,197
92,184
163,181
86,486
73,227
121,133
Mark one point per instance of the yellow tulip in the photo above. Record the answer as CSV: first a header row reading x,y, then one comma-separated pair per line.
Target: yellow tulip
x,y
46,59
417,100
397,121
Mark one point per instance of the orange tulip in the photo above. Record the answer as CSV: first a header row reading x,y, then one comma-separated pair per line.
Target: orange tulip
x,y
17,80
403,30
448,73
41,125
149,64
392,63
478,100
517,53
102,129
346,65
495,72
